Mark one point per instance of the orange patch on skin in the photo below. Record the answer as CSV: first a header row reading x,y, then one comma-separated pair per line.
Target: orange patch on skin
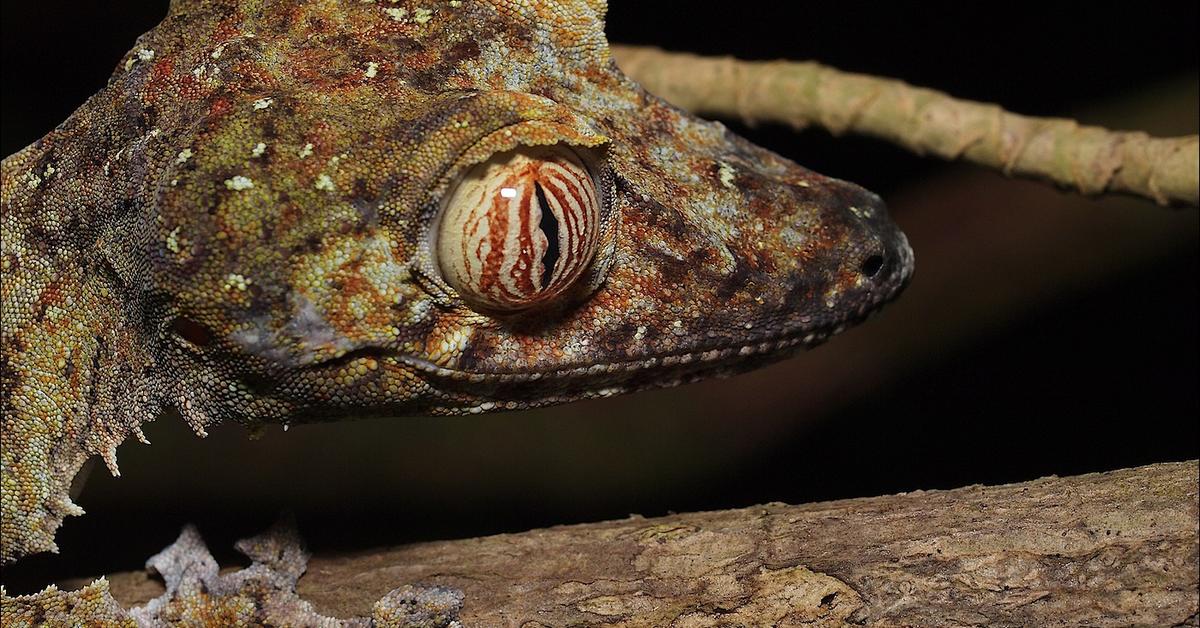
x,y
190,88
160,81
220,107
227,29
253,74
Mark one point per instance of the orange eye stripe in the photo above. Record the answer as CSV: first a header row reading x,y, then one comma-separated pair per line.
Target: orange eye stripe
x,y
520,228
575,206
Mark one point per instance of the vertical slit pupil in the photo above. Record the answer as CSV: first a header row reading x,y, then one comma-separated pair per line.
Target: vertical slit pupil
x,y
549,226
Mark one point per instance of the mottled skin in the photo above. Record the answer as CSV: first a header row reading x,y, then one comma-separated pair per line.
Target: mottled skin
x,y
238,227
198,593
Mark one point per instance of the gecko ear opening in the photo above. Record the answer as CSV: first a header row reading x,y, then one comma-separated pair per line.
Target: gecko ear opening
x,y
192,331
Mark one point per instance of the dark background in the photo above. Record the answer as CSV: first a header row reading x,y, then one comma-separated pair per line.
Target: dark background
x,y
1044,333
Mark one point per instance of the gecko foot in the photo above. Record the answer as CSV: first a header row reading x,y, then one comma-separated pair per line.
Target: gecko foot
x,y
415,606
263,594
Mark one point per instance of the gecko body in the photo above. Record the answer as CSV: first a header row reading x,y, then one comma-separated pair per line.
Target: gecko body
x,y
286,211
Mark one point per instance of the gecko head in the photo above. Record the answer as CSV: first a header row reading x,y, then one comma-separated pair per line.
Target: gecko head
x,y
512,223
715,256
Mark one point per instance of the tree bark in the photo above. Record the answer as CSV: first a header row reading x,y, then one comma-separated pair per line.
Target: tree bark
x,y
1117,548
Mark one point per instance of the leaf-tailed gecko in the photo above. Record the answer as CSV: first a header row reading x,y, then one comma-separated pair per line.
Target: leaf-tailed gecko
x,y
290,211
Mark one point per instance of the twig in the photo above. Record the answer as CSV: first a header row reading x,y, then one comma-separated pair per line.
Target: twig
x,y
1089,159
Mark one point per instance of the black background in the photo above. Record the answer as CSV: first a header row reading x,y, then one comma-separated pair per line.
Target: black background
x,y
1097,375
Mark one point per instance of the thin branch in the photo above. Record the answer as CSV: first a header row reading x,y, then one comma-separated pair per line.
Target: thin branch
x,y
1089,159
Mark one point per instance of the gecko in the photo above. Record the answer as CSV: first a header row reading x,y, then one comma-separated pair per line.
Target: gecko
x,y
283,211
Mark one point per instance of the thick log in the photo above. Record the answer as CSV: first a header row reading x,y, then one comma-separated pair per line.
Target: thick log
x,y
1117,548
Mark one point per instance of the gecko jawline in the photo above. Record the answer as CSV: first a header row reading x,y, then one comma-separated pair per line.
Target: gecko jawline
x,y
471,392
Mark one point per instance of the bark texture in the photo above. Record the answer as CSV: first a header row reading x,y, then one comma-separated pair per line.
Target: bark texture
x,y
1106,549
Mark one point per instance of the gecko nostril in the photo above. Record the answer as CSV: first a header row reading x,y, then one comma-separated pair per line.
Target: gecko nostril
x,y
871,266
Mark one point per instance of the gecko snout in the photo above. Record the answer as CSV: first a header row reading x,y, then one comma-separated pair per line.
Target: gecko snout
x,y
887,263
888,260
889,267
882,258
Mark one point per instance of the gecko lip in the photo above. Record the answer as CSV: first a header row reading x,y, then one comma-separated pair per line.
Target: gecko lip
x,y
461,391
883,284
819,316
514,390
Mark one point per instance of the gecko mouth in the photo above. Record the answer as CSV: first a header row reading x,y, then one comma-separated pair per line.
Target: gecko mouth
x,y
462,391
471,392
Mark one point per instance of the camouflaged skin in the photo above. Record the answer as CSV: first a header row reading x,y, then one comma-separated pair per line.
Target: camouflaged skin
x,y
197,594
92,605
238,227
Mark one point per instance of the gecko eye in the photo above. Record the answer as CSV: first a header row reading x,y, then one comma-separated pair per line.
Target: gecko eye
x,y
520,228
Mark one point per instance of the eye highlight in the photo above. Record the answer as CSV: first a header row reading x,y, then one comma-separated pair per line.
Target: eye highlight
x,y
520,228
